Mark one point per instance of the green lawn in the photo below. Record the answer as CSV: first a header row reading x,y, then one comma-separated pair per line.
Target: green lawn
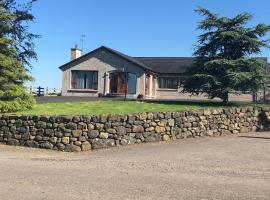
x,y
119,107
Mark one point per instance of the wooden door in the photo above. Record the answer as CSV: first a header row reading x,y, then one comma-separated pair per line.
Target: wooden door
x,y
113,83
122,83
118,83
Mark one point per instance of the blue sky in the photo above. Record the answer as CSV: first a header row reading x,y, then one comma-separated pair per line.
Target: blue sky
x,y
136,28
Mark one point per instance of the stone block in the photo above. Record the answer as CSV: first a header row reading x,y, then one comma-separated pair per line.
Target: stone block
x,y
86,146
65,140
72,148
153,138
165,137
160,129
98,143
93,134
137,129
77,133
103,135
171,122
207,112
111,130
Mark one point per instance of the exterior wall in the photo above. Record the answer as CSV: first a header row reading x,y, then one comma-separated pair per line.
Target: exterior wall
x,y
103,62
81,133
166,94
176,94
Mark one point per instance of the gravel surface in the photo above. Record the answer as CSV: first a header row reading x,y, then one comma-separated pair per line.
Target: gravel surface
x,y
232,167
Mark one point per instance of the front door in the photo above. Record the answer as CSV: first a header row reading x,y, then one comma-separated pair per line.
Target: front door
x,y
118,83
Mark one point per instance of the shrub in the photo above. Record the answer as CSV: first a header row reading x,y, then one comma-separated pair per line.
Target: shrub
x,y
140,96
22,102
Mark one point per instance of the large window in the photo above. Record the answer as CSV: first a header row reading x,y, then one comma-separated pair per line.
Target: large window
x,y
84,79
168,82
132,83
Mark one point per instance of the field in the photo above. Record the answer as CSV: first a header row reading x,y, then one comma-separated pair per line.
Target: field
x,y
97,107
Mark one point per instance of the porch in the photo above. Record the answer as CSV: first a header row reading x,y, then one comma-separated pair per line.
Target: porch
x,y
121,83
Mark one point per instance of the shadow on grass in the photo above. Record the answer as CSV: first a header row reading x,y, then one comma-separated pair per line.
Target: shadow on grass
x,y
206,103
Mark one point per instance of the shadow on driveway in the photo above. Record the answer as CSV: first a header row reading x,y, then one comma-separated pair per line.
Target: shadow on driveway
x,y
255,137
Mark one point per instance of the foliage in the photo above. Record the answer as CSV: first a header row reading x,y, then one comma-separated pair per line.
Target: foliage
x,y
223,63
22,102
16,51
140,96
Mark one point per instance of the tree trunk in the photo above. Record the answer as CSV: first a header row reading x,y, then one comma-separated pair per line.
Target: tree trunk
x,y
225,98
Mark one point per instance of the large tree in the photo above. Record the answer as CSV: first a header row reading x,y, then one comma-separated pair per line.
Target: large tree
x,y
16,52
224,64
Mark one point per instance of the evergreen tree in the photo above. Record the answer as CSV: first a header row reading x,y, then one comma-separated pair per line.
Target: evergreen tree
x,y
16,51
223,63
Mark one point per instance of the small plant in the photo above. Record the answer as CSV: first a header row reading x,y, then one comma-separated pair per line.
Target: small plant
x,y
140,97
100,95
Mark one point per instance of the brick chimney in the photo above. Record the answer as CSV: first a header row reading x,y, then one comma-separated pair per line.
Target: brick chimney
x,y
75,52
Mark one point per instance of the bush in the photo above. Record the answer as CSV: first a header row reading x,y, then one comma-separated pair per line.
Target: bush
x,y
140,96
22,102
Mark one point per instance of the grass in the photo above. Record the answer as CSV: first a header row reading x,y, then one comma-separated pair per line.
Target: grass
x,y
121,107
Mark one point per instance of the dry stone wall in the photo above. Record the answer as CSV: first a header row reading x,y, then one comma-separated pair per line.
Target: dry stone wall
x,y
83,133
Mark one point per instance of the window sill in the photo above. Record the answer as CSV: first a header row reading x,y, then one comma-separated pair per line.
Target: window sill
x,y
83,90
167,89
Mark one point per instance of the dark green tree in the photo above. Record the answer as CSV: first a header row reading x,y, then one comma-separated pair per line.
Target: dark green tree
x,y
16,52
223,57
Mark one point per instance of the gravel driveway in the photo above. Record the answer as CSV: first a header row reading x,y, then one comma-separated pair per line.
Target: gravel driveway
x,y
229,167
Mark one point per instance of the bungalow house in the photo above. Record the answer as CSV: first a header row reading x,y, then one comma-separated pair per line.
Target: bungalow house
x,y
108,72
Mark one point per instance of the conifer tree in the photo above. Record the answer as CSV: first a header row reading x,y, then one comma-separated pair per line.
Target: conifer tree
x,y
16,52
223,57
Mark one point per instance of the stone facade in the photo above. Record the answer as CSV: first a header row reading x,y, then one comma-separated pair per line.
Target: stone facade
x,y
82,133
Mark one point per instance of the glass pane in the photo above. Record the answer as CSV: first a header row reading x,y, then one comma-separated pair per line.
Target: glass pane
x,y
168,82
132,82
84,80
80,81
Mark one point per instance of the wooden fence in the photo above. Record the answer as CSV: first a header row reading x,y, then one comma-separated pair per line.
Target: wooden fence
x,y
43,91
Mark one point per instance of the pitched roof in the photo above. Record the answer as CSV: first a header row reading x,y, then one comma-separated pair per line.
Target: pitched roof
x,y
164,65
153,64
126,57
167,64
